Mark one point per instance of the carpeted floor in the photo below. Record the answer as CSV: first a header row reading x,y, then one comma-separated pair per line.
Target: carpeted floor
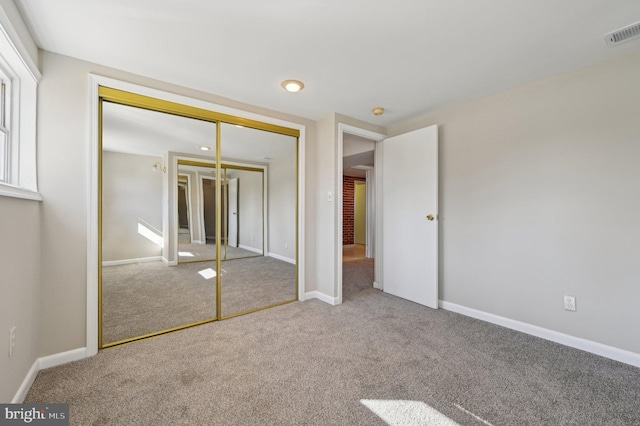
x,y
309,363
190,252
143,298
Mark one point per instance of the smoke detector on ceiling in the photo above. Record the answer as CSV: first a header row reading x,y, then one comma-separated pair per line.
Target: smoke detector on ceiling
x,y
623,34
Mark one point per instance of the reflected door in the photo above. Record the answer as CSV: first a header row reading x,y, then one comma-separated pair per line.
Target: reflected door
x,y
232,197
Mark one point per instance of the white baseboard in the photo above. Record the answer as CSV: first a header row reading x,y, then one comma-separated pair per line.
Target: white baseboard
x,y
129,261
62,358
321,296
596,348
284,259
377,285
43,363
253,249
26,384
166,262
198,242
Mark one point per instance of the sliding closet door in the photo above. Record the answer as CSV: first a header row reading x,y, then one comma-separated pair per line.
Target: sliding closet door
x,y
143,291
258,269
193,227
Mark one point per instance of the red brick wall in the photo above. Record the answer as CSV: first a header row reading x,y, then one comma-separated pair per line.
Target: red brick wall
x,y
348,190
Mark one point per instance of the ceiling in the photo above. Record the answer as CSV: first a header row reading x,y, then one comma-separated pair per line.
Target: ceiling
x,y
139,131
410,57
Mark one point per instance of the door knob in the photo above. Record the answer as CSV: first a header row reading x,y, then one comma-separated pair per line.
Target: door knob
x,y
430,217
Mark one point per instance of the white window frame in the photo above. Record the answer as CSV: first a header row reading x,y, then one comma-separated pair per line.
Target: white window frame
x,y
5,119
23,77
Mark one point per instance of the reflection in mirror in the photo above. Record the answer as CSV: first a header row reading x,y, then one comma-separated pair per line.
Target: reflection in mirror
x,y
186,237
184,230
241,209
140,293
252,283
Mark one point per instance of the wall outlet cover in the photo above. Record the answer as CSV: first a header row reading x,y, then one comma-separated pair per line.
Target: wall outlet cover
x,y
570,303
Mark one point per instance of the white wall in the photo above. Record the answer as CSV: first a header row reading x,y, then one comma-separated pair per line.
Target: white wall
x,y
131,195
63,131
281,202
539,199
360,212
18,24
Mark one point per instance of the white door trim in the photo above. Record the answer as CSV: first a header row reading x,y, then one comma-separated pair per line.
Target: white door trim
x,y
377,137
92,197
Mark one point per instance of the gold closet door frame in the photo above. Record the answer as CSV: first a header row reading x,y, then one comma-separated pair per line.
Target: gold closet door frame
x,y
121,97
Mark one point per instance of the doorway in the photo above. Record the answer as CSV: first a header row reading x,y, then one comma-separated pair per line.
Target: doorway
x,y
358,215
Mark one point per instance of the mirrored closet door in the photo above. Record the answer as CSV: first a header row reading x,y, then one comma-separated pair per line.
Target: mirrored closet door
x,y
189,236
141,293
260,173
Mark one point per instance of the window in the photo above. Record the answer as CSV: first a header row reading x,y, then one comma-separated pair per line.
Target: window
x,y
19,78
5,87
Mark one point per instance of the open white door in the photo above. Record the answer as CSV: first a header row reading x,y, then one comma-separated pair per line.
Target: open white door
x,y
233,212
410,216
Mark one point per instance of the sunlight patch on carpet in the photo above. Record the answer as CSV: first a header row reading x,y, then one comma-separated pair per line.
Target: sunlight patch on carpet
x,y
405,413
207,273
185,254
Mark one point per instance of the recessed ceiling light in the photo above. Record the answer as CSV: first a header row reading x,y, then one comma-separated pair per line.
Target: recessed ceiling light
x,y
292,85
205,148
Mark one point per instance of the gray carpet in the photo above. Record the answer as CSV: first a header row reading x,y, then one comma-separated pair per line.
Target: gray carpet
x,y
143,298
308,363
199,252
357,275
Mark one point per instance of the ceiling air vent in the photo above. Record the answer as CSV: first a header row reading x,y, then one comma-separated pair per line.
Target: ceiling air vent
x,y
623,34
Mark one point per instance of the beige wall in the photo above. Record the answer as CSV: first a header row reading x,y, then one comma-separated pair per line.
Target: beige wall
x,y
131,195
63,130
20,259
282,207
250,208
325,212
539,198
326,166
20,287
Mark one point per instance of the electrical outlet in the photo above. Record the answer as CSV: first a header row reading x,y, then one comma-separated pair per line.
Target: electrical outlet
x,y
286,245
569,303
12,341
